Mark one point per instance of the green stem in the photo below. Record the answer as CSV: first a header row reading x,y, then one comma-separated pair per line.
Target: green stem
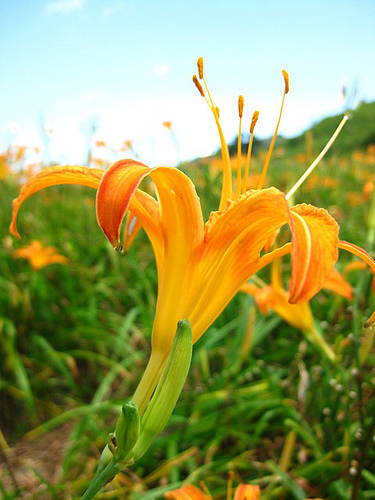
x,y
131,444
101,478
317,338
168,390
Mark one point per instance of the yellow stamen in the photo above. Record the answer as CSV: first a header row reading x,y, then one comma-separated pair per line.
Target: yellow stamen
x,y
249,148
286,80
198,85
226,190
230,484
203,485
200,67
254,121
240,105
268,158
240,113
317,160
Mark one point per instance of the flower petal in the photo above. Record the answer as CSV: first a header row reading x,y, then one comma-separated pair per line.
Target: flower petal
x,y
247,492
229,255
362,254
338,284
52,177
174,225
297,315
183,229
144,211
115,190
132,227
314,250
186,492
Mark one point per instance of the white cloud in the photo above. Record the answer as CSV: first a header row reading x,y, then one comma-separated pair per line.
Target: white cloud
x,y
140,120
161,70
64,6
89,96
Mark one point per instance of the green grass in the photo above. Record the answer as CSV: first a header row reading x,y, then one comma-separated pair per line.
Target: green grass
x,y
75,338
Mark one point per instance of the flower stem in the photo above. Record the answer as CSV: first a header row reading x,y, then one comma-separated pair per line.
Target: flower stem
x,y
318,339
101,478
133,437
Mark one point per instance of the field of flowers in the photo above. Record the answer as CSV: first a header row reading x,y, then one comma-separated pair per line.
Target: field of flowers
x,y
276,397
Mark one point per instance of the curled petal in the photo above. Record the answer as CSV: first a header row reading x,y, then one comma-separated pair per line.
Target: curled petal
x,y
314,250
141,203
114,193
52,177
362,254
132,227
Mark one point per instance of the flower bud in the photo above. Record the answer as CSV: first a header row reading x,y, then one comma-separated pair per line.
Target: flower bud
x,y
168,389
127,429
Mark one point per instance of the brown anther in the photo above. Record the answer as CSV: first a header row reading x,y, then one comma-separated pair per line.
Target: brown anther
x,y
200,67
286,80
198,85
254,121
217,111
240,105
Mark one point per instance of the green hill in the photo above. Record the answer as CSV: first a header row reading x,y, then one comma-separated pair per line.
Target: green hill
x,y
358,133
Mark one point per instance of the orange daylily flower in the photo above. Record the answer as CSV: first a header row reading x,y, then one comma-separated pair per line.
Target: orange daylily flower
x,y
190,492
4,166
187,492
268,297
368,188
127,145
167,124
298,315
247,492
39,256
201,266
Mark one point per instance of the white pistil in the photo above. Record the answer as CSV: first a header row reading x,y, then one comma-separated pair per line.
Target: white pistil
x,y
315,162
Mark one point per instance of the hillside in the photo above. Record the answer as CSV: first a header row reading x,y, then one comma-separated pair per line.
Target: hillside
x,y
358,134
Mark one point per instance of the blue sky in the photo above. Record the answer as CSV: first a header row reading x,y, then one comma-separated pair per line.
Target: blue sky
x,y
126,65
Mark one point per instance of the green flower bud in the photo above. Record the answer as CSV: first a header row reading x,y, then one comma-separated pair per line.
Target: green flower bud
x,y
127,429
105,459
168,389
